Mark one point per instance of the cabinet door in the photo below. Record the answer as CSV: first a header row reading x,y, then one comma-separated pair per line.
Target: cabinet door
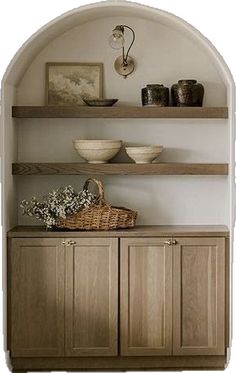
x,y
36,288
92,297
199,296
146,297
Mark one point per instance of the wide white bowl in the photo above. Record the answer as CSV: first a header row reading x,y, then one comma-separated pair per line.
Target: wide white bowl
x,y
97,151
143,154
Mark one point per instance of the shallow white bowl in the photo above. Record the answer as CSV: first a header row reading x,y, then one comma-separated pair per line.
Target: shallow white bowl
x,y
143,154
97,151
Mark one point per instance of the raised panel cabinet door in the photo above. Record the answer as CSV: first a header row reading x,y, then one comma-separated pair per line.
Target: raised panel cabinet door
x,y
199,296
36,290
92,297
146,297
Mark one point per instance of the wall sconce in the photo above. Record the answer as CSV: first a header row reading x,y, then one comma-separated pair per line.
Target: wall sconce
x,y
124,65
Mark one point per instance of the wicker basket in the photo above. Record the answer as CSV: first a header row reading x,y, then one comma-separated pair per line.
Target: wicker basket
x,y
100,215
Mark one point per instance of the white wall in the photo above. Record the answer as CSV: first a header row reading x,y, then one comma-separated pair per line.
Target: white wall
x,y
163,56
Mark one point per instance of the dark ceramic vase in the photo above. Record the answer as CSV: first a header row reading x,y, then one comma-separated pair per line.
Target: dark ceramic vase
x,y
187,93
155,95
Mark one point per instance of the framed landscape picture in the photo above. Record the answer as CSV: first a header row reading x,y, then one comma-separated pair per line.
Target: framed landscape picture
x,y
68,83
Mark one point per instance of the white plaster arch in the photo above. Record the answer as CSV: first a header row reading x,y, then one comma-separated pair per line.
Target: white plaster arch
x,y
78,16
32,47
86,13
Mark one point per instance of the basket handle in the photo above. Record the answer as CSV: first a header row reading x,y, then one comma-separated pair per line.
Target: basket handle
x,y
99,185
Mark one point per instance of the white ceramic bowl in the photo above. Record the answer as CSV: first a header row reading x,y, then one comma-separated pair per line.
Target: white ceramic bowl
x,y
97,151
143,154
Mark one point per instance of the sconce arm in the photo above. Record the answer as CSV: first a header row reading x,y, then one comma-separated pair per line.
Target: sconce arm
x,y
133,34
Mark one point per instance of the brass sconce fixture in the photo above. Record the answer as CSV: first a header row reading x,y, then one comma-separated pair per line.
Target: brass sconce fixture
x,y
124,65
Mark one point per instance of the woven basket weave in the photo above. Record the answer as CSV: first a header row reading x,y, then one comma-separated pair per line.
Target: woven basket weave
x,y
100,215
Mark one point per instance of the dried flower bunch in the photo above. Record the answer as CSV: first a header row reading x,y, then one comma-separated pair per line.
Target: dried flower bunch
x,y
58,204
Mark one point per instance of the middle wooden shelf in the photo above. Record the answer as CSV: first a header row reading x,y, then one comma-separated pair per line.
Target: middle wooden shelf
x,y
166,168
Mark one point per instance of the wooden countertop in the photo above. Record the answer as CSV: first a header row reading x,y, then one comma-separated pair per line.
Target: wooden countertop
x,y
138,231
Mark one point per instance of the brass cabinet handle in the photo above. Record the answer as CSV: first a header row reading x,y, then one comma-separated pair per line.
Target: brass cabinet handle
x,y
69,242
170,242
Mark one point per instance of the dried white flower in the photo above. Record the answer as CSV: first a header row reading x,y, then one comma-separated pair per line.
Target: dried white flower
x,y
57,204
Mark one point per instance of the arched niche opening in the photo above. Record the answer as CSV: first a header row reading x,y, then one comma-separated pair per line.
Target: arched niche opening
x,y
166,49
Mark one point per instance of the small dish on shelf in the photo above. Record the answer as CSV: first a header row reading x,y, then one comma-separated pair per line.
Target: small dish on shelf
x,y
100,101
143,154
97,151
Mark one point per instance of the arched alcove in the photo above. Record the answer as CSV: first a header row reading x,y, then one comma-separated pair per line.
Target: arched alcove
x,y
201,146
166,49
89,13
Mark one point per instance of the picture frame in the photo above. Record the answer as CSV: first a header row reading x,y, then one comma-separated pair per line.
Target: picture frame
x,y
67,83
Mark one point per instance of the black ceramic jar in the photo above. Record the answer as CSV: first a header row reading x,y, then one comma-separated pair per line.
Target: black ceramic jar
x,y
187,93
155,95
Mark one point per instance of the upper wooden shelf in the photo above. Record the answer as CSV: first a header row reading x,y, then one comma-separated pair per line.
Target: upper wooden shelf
x,y
120,169
118,112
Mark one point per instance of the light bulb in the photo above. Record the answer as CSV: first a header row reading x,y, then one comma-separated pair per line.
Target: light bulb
x,y
116,40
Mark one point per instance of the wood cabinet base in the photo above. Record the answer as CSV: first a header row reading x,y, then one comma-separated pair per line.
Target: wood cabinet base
x,y
80,307
119,363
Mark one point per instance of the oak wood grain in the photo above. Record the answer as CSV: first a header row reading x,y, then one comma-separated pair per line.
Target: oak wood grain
x,y
9,288
119,169
92,297
138,231
199,297
146,297
228,271
119,362
118,112
37,297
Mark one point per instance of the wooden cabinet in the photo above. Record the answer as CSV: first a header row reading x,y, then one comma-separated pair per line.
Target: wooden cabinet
x,y
199,296
37,297
36,275
146,297
106,301
92,297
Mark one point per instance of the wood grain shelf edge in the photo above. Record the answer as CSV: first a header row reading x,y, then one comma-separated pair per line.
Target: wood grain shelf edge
x,y
118,112
138,231
119,169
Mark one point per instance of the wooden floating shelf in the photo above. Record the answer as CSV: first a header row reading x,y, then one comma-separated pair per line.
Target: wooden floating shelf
x,y
118,112
120,169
